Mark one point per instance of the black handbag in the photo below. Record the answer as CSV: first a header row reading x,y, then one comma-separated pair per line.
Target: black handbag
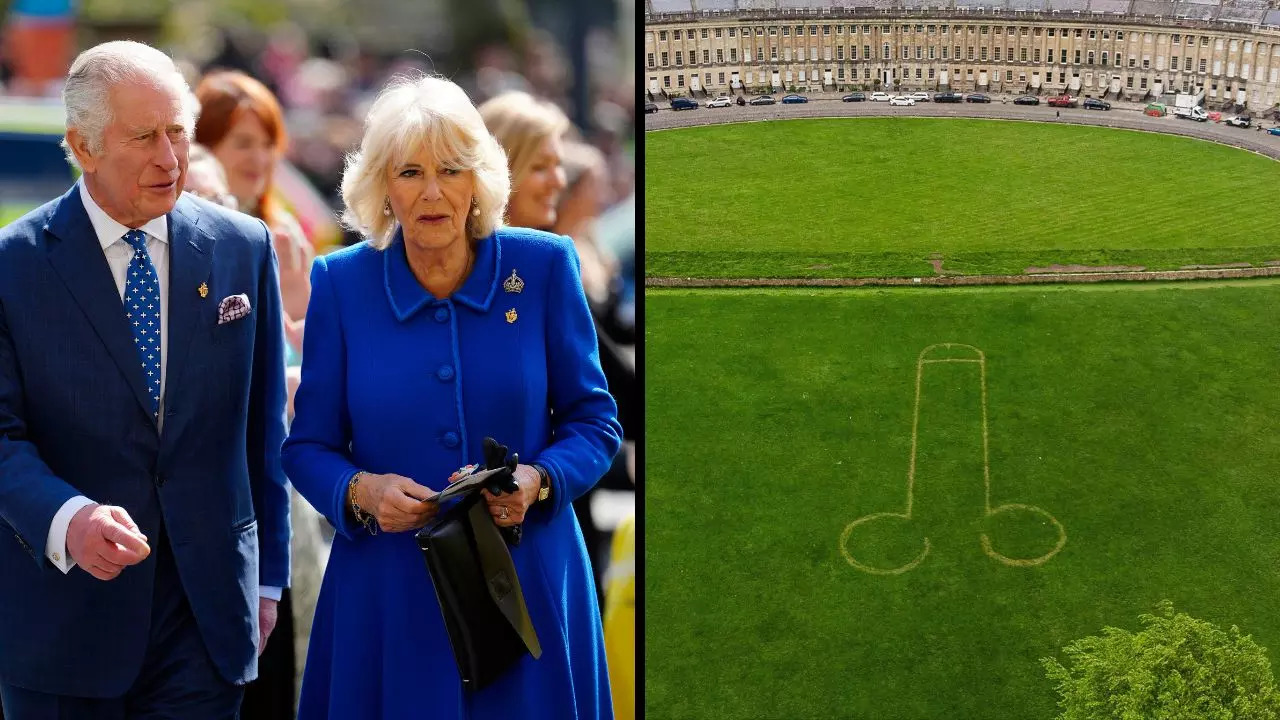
x,y
474,578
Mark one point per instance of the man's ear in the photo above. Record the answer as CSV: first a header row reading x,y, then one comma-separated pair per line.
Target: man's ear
x,y
80,148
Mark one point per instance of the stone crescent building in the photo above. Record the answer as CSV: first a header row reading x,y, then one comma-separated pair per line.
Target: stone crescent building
x,y
1228,51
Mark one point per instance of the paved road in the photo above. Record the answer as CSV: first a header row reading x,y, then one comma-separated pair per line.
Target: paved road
x,y
1119,116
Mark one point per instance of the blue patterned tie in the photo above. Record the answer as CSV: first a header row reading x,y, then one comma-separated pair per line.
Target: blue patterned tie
x,y
142,306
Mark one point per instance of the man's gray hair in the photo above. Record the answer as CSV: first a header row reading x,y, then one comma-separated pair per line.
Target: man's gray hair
x,y
86,94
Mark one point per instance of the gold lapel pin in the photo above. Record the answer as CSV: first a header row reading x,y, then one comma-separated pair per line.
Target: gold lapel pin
x,y
513,284
203,290
511,315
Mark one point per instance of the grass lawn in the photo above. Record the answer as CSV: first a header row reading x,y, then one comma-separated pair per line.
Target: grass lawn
x,y
866,197
1145,420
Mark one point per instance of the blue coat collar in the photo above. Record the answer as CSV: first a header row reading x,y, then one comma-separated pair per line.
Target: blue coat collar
x,y
407,296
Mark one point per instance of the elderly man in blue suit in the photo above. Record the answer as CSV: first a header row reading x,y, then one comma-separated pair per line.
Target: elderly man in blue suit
x,y
144,526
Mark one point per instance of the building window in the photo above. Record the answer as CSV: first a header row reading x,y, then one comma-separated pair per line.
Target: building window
x,y
677,32
866,52
933,52
664,60
662,34
1063,55
1176,39
919,52
666,81
773,53
773,31
1104,57
721,78
704,33
759,54
1078,32
1090,57
733,55
1119,34
944,52
839,52
1106,34
1050,32
719,32
719,55
885,56
1022,54
1173,63
679,81
826,29
917,73
1202,61
1062,78
957,55
905,52
1129,82
1133,62
866,73
1143,83
786,31
1119,59
840,73
759,32
983,53
983,30
706,57
930,73
1022,31
1035,55
650,58
1146,63
840,29
1093,34
1077,57
813,29
1008,76
943,29
679,58
733,32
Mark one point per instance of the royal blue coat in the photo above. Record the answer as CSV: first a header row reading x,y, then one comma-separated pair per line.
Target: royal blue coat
x,y
397,381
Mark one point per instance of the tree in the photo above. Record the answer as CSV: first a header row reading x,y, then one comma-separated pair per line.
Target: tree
x,y
1176,668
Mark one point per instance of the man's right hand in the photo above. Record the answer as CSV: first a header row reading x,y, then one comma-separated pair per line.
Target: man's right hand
x,y
103,539
396,502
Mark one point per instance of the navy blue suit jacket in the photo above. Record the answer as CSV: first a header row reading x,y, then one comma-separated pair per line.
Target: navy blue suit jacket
x,y
75,420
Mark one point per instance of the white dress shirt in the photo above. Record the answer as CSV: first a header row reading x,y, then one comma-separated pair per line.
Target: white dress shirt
x,y
119,255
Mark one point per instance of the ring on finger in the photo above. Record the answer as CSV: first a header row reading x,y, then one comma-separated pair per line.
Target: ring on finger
x,y
502,513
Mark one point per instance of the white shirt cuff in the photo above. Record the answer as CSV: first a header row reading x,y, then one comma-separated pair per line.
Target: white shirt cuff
x,y
55,547
270,592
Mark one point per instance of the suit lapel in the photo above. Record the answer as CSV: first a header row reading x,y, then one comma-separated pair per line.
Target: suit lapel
x,y
78,259
190,266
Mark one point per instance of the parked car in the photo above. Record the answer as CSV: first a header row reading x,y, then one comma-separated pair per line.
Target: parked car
x,y
1194,112
1063,100
722,101
1274,130
1096,104
854,97
762,100
1240,121
1026,100
920,96
650,107
977,98
948,97
684,104
879,97
794,99
902,100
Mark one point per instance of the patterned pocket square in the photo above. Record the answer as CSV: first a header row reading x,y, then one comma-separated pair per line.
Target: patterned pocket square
x,y
233,307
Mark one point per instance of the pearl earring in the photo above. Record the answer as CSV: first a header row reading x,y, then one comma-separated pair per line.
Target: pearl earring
x,y
386,207
475,211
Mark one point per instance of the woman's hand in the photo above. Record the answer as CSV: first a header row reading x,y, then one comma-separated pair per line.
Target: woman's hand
x,y
396,502
294,255
508,509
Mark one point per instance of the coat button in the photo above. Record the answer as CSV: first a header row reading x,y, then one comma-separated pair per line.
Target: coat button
x,y
445,373
442,315
159,480
450,440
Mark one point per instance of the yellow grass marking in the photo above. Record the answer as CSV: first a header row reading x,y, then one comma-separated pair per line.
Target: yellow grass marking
x,y
981,361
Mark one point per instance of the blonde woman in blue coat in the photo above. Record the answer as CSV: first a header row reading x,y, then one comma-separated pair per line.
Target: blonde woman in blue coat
x,y
440,329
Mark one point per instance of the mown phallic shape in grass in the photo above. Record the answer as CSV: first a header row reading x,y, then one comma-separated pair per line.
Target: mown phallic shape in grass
x,y
952,353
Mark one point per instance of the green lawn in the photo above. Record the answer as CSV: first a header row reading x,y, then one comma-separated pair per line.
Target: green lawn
x,y
879,196
1144,419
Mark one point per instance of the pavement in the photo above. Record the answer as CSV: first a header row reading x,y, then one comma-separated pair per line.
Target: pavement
x,y
1123,114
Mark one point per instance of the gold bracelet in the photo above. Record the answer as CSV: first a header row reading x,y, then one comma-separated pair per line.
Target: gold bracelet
x,y
365,519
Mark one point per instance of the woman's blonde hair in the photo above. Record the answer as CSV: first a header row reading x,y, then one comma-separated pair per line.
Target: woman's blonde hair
x,y
521,123
411,114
